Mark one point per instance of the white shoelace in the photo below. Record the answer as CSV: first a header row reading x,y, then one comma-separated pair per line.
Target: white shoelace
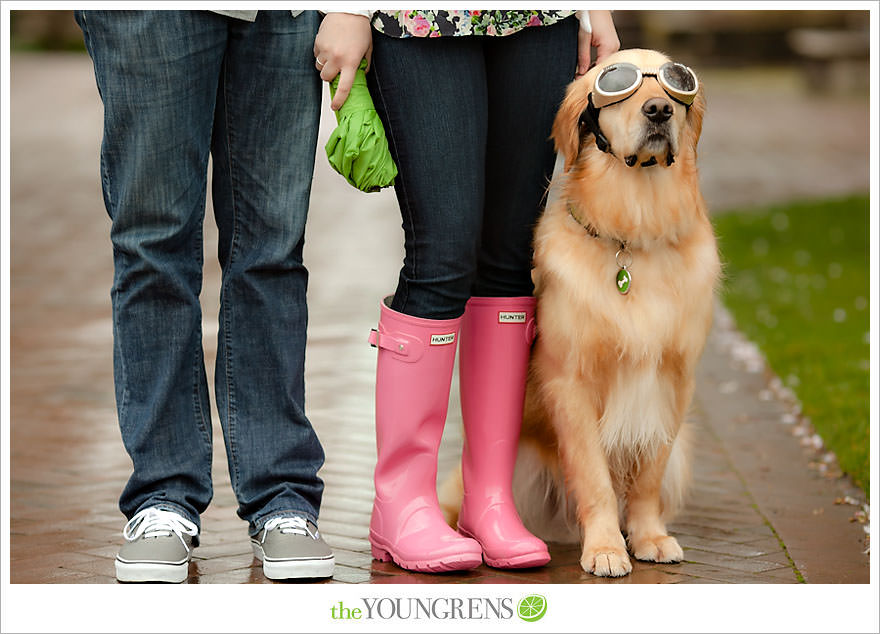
x,y
288,526
154,522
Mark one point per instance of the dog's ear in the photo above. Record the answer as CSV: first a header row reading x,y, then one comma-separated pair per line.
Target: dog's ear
x,y
695,121
566,129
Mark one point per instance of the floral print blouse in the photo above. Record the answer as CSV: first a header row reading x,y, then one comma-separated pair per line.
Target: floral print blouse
x,y
446,23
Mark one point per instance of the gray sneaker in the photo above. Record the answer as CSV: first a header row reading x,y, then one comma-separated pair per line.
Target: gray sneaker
x,y
158,547
292,548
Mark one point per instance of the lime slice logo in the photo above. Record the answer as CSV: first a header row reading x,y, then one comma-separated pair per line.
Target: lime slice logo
x,y
532,608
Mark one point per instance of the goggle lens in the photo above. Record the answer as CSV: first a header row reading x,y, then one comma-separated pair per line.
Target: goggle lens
x,y
679,78
618,78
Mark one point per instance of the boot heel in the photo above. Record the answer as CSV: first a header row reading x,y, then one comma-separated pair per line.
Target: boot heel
x,y
379,553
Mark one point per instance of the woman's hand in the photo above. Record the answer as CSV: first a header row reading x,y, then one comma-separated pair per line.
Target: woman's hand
x,y
343,40
603,37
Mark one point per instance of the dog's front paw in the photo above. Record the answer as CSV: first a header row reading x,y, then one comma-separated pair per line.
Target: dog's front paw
x,y
606,562
661,548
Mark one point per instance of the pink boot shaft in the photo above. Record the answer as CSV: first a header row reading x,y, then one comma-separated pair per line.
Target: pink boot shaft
x,y
413,376
496,336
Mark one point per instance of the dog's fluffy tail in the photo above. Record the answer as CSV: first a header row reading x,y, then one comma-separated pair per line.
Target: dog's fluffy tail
x,y
543,505
450,494
677,477
541,499
539,496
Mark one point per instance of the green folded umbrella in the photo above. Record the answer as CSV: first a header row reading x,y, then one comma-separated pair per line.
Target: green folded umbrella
x,y
357,148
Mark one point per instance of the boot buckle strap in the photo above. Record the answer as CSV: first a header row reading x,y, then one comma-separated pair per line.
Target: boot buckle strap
x,y
403,347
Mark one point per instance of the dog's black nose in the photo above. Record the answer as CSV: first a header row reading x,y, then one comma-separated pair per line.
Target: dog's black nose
x,y
657,109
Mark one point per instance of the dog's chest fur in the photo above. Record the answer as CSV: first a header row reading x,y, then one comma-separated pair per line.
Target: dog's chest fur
x,y
629,349
671,289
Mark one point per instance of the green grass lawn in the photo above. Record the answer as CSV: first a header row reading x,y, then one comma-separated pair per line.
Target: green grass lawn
x,y
797,283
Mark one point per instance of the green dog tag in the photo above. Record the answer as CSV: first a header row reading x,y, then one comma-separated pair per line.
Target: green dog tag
x,y
624,279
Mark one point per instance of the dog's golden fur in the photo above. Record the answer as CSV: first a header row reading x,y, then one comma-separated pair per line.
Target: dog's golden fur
x,y
603,449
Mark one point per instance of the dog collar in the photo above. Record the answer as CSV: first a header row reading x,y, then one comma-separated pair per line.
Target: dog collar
x,y
623,257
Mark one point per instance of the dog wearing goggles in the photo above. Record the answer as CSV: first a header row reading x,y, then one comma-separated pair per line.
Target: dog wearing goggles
x,y
625,270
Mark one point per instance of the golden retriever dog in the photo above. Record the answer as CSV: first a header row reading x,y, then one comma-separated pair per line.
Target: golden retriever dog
x,y
625,270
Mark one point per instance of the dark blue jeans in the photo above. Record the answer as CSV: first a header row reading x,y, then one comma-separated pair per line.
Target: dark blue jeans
x,y
179,86
468,121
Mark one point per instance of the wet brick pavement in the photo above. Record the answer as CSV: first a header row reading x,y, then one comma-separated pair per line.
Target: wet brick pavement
x,y
760,511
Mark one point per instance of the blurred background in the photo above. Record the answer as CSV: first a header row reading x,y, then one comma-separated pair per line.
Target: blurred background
x,y
764,60
784,166
815,41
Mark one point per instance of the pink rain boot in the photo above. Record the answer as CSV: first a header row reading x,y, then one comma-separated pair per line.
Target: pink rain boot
x,y
413,376
496,337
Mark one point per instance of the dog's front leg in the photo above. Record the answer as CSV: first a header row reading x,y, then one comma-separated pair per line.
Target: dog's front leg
x,y
589,480
645,529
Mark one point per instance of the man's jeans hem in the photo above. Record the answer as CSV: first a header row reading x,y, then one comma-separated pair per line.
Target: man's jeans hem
x,y
258,523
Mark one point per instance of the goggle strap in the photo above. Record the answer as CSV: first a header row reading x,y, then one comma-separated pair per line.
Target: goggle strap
x,y
590,118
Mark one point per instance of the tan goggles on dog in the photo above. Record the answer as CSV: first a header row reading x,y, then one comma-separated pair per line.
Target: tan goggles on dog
x,y
620,81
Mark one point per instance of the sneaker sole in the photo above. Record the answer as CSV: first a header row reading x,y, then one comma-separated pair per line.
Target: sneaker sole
x,y
143,572
307,568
